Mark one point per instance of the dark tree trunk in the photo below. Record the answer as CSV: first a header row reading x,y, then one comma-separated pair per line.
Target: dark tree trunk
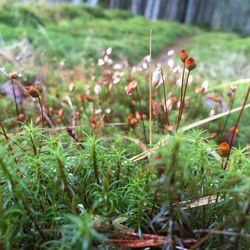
x,y
149,8
136,6
114,4
156,9
182,10
163,7
172,9
191,8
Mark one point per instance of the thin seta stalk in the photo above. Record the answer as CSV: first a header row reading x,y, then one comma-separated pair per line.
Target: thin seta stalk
x,y
12,76
143,124
182,85
190,64
150,88
236,126
231,107
183,57
183,100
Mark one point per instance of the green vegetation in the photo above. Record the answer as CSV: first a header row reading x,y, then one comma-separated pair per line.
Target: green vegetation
x,y
75,169
79,32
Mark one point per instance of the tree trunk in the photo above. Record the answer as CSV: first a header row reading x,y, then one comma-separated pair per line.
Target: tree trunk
x,y
191,7
156,9
149,8
114,4
172,9
136,6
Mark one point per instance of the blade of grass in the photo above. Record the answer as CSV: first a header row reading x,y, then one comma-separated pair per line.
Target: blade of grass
x,y
150,88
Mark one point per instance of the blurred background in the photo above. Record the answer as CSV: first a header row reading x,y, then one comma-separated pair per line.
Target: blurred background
x,y
75,31
233,15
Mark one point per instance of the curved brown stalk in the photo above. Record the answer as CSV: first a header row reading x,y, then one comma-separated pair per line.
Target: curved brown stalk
x,y
226,121
183,101
236,126
182,83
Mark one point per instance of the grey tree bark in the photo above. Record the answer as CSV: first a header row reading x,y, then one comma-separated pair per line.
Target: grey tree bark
x,y
136,6
149,8
114,4
156,9
191,7
171,9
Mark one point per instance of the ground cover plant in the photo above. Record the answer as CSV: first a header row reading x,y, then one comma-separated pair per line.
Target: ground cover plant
x,y
115,154
89,30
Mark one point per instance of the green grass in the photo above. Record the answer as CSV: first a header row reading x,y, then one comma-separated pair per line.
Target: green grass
x,y
75,32
225,56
